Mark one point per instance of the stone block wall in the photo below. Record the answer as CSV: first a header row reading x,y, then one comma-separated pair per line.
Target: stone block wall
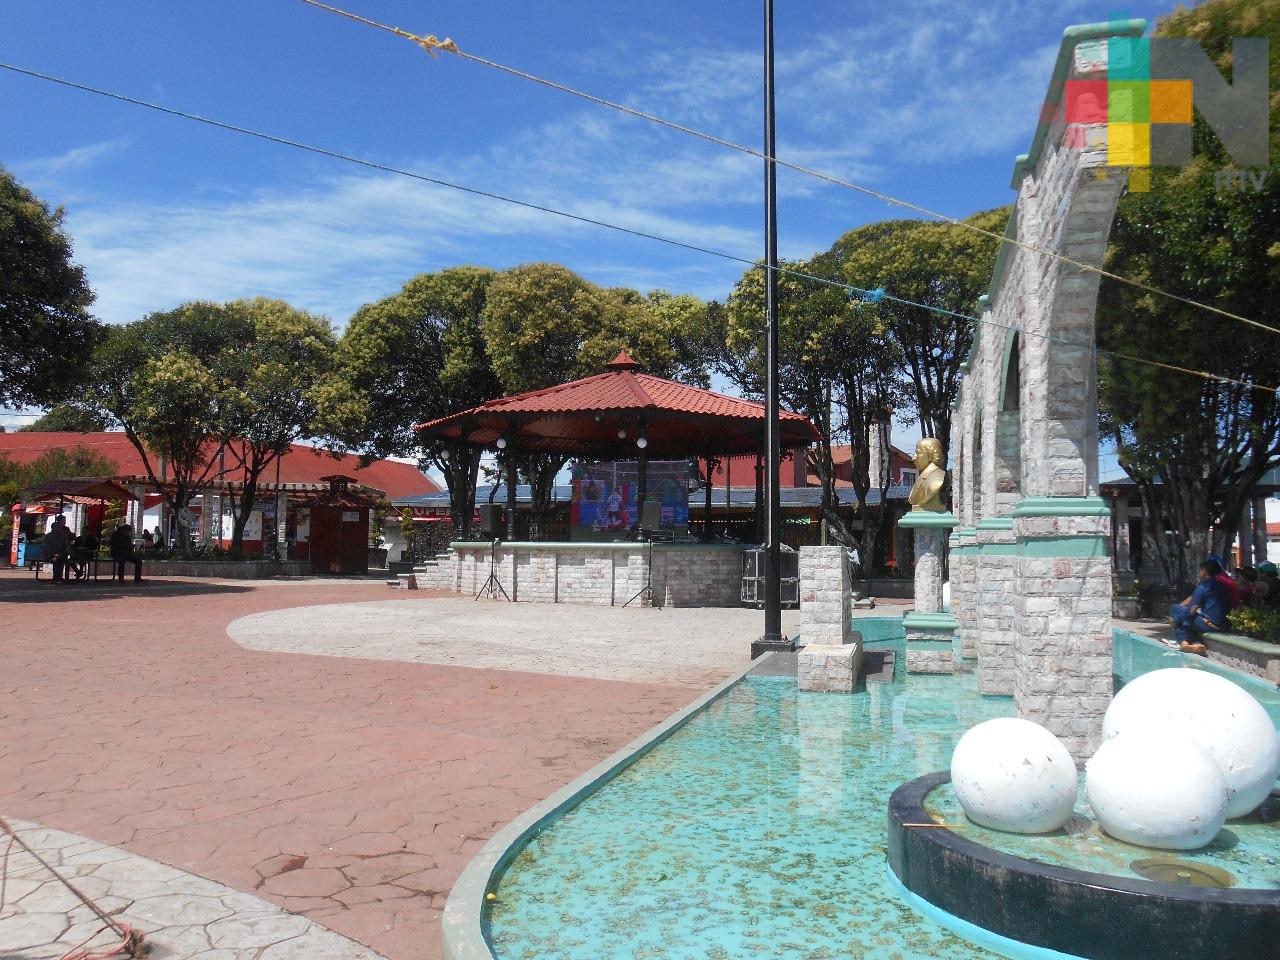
x,y
1041,597
963,563
708,576
1062,625
825,596
603,574
993,595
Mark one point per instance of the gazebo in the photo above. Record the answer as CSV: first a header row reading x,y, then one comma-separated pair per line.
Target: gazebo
x,y
620,414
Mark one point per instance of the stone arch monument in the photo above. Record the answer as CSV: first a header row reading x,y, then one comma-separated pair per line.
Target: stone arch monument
x,y
1030,565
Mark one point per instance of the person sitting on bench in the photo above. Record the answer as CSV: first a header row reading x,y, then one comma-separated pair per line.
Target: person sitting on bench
x,y
1203,611
122,552
57,548
82,553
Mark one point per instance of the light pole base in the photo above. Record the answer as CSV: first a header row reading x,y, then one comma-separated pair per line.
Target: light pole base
x,y
771,645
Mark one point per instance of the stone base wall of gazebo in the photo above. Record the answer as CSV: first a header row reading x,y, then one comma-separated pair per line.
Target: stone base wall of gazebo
x,y
604,574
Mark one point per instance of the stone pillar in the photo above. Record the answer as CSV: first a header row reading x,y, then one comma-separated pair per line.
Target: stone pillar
x,y
825,596
963,556
1260,547
1062,617
282,525
993,599
930,630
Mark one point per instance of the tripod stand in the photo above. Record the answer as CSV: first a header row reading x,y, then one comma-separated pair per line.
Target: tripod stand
x,y
647,590
493,586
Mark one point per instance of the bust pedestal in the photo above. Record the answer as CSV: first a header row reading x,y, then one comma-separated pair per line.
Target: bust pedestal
x,y
930,630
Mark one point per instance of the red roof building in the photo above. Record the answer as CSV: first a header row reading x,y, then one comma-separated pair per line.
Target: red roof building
x,y
302,464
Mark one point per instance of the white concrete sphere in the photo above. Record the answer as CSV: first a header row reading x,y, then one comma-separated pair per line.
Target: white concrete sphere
x,y
1014,775
1222,717
1156,790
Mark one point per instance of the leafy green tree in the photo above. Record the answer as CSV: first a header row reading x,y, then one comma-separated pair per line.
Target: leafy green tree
x,y
692,329
409,533
938,265
19,482
45,328
410,358
274,388
68,418
837,365
1197,448
545,325
171,380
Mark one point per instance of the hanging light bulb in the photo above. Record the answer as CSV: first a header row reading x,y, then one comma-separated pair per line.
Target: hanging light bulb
x,y
641,442
502,443
622,433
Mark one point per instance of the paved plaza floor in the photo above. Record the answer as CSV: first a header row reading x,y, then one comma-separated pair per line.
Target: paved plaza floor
x,y
675,645
350,791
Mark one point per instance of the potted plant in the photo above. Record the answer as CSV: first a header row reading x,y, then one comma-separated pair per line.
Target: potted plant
x,y
1126,602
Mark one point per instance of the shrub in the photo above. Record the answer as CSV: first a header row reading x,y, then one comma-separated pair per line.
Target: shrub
x,y
1256,622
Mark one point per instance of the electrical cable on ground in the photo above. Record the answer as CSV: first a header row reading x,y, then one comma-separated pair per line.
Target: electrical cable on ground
x,y
131,942
431,44
871,295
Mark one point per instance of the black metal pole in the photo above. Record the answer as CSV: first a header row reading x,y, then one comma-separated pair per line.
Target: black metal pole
x,y
511,494
772,638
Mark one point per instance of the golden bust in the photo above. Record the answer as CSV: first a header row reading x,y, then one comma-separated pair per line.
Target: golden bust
x,y
927,492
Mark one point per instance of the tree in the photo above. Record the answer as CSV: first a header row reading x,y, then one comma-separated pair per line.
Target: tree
x,y
274,387
409,533
68,418
413,357
938,265
545,325
20,481
1196,448
378,520
46,333
171,380
836,364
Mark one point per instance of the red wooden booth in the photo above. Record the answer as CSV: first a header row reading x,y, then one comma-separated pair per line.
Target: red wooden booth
x,y
340,528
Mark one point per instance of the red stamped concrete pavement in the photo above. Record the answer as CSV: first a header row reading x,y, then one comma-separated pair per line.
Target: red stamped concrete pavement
x,y
350,791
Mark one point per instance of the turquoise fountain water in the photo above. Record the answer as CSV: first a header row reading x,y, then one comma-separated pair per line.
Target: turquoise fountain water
x,y
758,830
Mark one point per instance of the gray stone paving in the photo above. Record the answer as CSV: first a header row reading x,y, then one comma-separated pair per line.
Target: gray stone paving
x,y
675,645
181,915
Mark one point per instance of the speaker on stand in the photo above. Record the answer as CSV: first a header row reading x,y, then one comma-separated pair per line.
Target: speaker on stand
x,y
491,529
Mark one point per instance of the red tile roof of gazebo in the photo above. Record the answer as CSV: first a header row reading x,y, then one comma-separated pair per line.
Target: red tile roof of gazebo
x,y
583,417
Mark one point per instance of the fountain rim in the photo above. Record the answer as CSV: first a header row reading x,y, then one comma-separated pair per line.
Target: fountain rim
x,y
1063,889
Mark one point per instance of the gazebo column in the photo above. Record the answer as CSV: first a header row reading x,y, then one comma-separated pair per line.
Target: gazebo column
x,y
642,484
511,495
706,510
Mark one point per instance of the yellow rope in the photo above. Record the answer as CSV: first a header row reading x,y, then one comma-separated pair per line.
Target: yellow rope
x,y
431,45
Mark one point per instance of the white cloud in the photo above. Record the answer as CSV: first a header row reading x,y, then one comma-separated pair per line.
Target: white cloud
x,y
77,158
939,81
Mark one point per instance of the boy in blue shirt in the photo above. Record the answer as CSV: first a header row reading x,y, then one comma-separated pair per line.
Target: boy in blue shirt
x,y
1206,608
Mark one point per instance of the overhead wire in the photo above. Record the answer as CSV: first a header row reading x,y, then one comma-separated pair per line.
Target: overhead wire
x,y
432,45
862,292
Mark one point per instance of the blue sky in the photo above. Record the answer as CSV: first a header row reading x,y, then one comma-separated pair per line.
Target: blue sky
x,y
925,99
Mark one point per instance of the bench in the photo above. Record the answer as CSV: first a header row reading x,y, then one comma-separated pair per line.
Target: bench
x,y
1255,657
93,564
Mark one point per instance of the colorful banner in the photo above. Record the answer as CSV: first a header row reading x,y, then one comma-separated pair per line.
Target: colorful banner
x,y
604,495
